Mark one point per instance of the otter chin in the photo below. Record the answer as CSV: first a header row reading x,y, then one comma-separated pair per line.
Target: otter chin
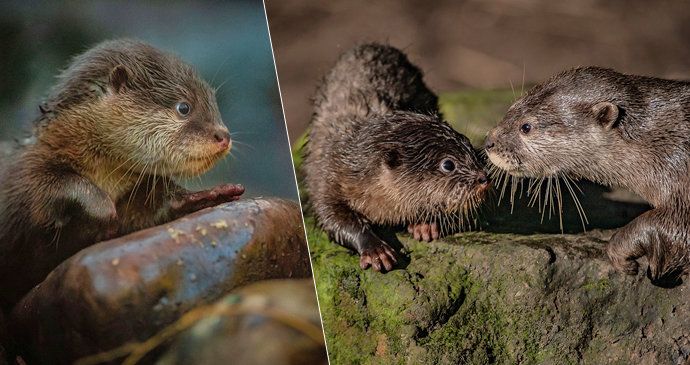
x,y
515,168
618,130
202,157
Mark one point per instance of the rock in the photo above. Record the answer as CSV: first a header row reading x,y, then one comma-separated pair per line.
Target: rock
x,y
128,288
276,322
478,298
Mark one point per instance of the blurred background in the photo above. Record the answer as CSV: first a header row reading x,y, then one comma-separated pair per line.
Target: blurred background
x,y
478,44
479,56
227,42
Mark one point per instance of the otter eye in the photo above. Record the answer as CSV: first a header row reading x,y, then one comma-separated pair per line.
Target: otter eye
x,y
183,108
447,165
526,128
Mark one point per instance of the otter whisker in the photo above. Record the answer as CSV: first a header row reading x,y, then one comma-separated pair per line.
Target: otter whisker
x,y
547,199
513,190
504,184
118,167
148,191
137,184
56,238
152,192
127,173
535,190
220,87
219,68
578,205
575,184
559,199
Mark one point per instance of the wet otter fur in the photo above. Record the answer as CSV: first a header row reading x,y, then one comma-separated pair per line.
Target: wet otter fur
x,y
123,120
379,154
615,129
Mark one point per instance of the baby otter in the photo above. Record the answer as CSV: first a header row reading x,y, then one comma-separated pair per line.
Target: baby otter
x,y
123,120
379,154
615,129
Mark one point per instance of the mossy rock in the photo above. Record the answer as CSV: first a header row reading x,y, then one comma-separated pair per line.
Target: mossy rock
x,y
517,291
480,298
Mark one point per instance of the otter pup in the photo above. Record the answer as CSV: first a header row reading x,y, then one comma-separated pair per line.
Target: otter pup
x,y
615,129
123,120
379,154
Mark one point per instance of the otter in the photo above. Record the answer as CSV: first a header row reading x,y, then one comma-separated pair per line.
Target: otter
x,y
615,129
378,154
123,121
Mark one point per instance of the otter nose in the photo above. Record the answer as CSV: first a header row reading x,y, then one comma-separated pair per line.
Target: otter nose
x,y
482,179
489,143
223,138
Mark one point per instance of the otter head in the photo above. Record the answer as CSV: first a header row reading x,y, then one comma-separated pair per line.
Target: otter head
x,y
144,108
429,172
563,126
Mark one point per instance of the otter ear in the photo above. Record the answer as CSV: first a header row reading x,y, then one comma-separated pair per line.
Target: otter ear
x,y
43,107
391,157
606,114
118,78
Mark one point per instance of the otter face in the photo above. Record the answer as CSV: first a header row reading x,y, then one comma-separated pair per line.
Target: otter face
x,y
173,118
552,131
428,171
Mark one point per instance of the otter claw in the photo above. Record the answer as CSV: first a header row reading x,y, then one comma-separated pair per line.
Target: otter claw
x,y
379,258
424,231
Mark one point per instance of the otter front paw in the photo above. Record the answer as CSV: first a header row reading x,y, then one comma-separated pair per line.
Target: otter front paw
x,y
424,231
379,256
623,256
663,247
192,201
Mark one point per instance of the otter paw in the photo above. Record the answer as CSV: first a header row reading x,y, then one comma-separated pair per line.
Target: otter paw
x,y
623,254
424,231
379,257
193,201
625,265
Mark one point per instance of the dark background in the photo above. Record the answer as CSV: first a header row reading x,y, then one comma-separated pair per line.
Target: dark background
x,y
478,44
227,42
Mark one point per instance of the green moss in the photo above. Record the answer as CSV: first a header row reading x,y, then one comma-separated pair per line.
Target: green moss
x,y
601,285
297,150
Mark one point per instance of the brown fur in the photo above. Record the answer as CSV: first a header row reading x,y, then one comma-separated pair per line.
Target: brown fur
x,y
616,129
374,153
103,157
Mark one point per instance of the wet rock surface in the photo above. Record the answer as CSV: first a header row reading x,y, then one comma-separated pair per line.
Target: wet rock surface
x,y
129,288
478,298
